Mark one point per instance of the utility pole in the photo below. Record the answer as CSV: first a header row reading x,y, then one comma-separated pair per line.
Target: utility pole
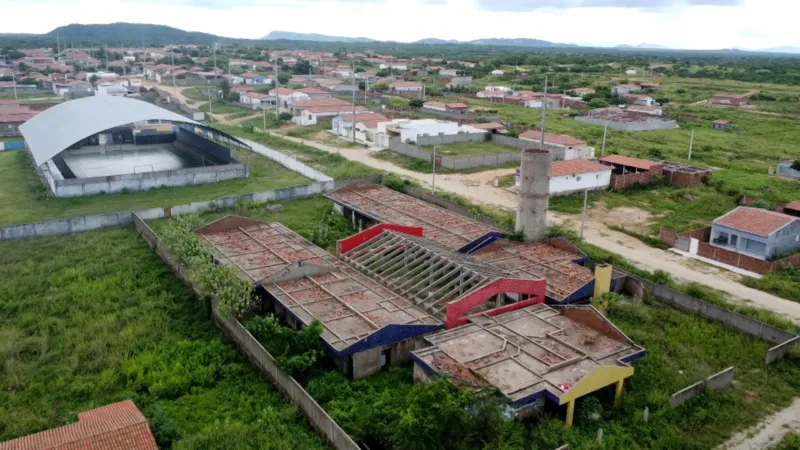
x,y
210,108
172,69
355,88
583,214
433,183
605,130
691,141
215,64
544,109
14,79
58,45
277,96
265,119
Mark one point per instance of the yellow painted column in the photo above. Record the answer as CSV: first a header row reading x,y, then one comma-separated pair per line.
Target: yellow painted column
x,y
618,395
570,412
602,279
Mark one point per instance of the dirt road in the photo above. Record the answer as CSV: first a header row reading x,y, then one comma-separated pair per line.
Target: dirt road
x,y
172,91
478,188
769,432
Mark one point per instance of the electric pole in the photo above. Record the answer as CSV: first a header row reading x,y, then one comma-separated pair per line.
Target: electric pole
x,y
215,64
583,214
14,79
605,130
355,87
691,141
172,69
544,109
433,183
277,96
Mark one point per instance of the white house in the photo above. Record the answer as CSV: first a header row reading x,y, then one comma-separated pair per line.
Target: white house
x,y
256,79
288,96
410,130
492,94
573,148
625,89
406,86
499,88
498,72
234,79
449,72
129,58
394,66
310,111
630,72
644,100
366,125
112,89
342,72
651,110
579,175
257,100
553,101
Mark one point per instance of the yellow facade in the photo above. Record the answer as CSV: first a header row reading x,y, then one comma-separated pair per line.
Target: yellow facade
x,y
599,378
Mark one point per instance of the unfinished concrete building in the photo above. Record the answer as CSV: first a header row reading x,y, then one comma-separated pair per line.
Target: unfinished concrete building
x,y
532,355
534,188
685,174
108,144
366,327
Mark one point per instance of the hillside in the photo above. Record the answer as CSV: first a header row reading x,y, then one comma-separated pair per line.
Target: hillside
x,y
500,42
313,37
127,32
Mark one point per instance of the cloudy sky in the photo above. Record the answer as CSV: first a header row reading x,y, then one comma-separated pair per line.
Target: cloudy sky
x,y
695,24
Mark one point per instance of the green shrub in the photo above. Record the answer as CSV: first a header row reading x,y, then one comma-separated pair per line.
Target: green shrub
x,y
764,204
296,352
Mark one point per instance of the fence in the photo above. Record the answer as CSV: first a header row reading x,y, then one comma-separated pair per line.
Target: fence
x,y
717,382
287,161
465,162
88,223
630,179
682,241
255,352
646,125
783,340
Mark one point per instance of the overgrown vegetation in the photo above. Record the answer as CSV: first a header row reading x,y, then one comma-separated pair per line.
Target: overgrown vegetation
x,y
94,318
783,283
789,442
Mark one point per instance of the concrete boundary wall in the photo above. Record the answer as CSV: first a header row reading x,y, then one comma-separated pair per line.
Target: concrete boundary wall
x,y
717,382
255,352
650,124
287,161
783,340
88,223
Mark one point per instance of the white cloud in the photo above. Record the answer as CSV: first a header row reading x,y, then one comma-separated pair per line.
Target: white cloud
x,y
700,24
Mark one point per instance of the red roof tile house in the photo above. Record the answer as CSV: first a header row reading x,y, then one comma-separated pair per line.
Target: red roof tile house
x,y
730,100
757,233
628,171
561,146
118,426
577,175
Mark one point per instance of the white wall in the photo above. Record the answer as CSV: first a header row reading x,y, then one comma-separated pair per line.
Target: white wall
x,y
433,129
573,183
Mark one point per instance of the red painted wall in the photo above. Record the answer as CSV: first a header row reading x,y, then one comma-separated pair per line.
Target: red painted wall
x,y
456,312
347,244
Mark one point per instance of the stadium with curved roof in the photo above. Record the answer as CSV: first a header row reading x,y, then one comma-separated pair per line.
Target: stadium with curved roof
x,y
107,144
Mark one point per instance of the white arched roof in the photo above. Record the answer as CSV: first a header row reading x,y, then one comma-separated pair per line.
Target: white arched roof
x,y
53,130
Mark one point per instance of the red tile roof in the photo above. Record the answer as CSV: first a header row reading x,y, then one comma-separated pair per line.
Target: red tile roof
x,y
575,166
321,102
118,426
330,109
551,138
313,91
281,91
327,82
755,220
641,164
488,126
793,206
406,84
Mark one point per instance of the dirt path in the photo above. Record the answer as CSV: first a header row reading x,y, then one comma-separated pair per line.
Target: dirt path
x,y
477,187
173,91
769,432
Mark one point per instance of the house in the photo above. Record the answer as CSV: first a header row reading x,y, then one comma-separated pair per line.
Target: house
x,y
499,88
366,76
650,86
492,94
577,175
571,147
409,130
498,72
257,100
784,169
644,100
234,80
311,111
491,127
627,164
581,92
256,78
366,125
454,108
12,117
552,100
449,72
625,89
630,72
756,232
112,427
287,96
406,86
327,83
792,208
730,100
651,110
722,124
111,89
394,66
458,81
342,72
315,93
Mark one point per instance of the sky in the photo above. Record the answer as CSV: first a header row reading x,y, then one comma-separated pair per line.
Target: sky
x,y
689,24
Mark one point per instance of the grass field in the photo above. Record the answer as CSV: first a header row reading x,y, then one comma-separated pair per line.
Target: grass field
x,y
460,149
418,165
94,318
320,133
195,94
23,197
227,108
790,442
331,164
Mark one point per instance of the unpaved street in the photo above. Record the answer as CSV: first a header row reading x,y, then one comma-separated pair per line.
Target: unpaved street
x,y
478,188
767,433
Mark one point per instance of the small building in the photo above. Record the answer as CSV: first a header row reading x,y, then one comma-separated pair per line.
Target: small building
x,y
257,100
256,79
625,89
365,124
578,175
571,147
492,94
311,111
784,169
533,355
407,86
722,124
449,72
581,92
394,66
755,232
630,72
643,100
627,164
792,208
454,108
499,88
729,100
458,81
287,96
315,93
112,427
235,80
12,118
684,174
409,130
644,109
491,127
498,72
552,100
650,86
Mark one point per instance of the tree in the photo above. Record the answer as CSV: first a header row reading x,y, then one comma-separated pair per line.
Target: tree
x,y
302,67
283,78
416,103
598,103
93,80
380,87
764,204
225,87
796,164
233,97
382,73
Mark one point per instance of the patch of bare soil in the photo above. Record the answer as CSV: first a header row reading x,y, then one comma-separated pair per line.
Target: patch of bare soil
x,y
630,217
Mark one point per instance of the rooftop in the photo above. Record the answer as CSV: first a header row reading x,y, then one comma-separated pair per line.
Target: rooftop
x,y
309,282
406,84
118,426
575,166
551,138
760,222
538,349
795,206
313,91
641,164
488,126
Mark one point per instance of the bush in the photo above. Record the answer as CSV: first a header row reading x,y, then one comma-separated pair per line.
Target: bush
x,y
598,103
416,103
285,116
764,204
296,352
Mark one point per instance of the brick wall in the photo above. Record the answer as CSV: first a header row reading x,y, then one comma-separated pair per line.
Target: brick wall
x,y
628,180
686,178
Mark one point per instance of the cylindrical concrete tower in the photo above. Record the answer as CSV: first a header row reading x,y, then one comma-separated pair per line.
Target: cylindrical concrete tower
x,y
534,192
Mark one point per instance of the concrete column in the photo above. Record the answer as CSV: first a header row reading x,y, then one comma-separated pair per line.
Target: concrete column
x,y
618,394
570,413
534,191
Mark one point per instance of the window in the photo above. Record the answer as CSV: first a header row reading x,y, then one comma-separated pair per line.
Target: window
x,y
755,247
734,240
579,179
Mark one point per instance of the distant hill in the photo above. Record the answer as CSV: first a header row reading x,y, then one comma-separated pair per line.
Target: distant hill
x,y
500,42
642,46
113,33
784,49
314,37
